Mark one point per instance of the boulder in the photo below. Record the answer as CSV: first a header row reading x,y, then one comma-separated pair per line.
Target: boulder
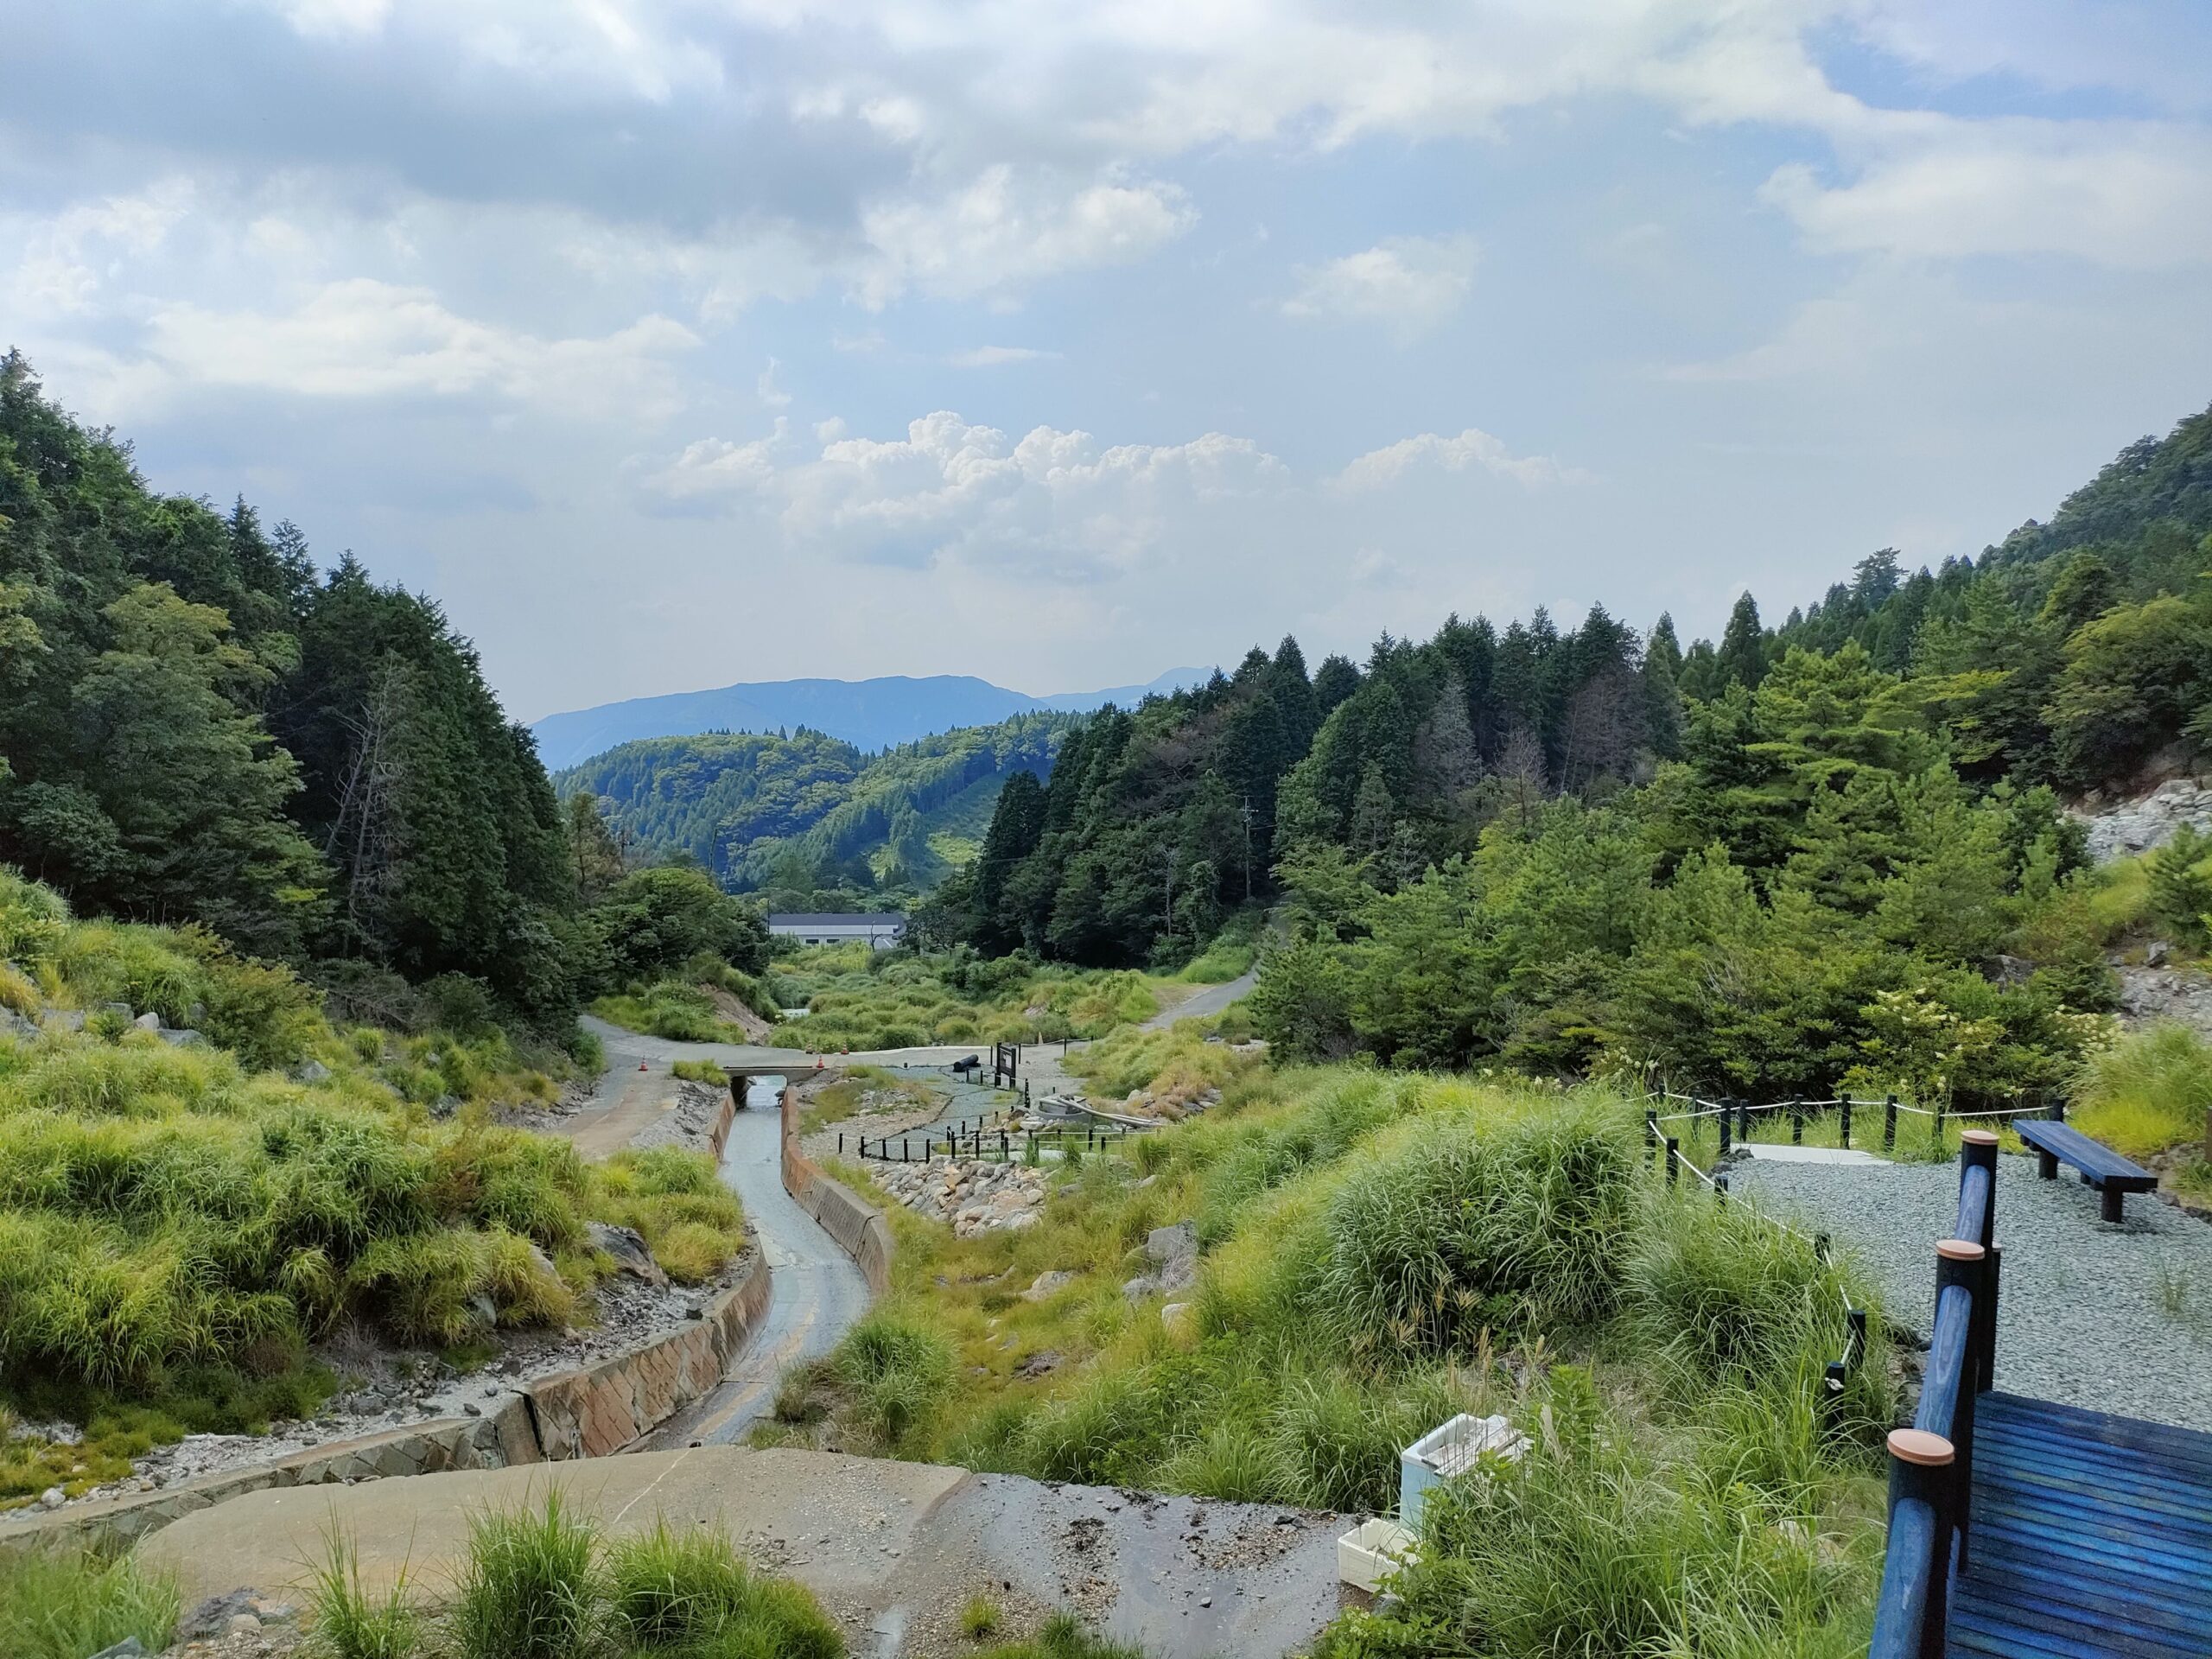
x,y
311,1072
212,1617
1173,1252
129,1647
1178,1318
1046,1284
627,1246
149,1021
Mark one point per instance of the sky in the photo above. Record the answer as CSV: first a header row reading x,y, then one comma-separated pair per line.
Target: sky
x,y
669,345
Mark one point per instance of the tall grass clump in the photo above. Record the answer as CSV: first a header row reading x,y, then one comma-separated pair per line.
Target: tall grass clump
x,y
530,1588
689,1594
2150,1091
899,1367
1504,1221
349,1621
677,1200
65,1604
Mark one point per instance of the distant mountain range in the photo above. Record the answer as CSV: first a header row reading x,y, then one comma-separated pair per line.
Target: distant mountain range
x,y
870,714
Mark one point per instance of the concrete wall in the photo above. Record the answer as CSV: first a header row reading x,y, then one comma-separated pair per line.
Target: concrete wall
x,y
860,1230
588,1413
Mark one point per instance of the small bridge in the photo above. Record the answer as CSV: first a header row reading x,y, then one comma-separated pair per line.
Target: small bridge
x,y
2025,1528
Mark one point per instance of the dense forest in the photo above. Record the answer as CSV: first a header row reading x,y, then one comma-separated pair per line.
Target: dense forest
x,y
1545,845
199,725
811,822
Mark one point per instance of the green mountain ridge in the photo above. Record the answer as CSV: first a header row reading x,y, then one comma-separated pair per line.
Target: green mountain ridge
x,y
802,812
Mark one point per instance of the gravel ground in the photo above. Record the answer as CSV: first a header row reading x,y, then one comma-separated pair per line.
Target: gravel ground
x,y
2110,1319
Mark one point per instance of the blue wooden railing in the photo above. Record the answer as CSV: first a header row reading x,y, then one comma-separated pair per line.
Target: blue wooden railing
x,y
1931,1464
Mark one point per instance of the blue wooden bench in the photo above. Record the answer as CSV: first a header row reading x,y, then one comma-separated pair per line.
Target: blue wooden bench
x,y
2057,1143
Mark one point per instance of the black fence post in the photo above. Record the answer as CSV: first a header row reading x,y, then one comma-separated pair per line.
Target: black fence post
x,y
905,1148
1940,1103
1720,1187
1890,1124
1674,1159
1744,1120
1844,1130
1651,1128
1727,1125
841,1143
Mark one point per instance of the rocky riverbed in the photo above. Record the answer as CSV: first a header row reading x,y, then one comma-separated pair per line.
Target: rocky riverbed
x,y
972,1195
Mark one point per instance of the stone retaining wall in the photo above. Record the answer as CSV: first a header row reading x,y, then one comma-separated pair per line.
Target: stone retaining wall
x,y
860,1228
587,1413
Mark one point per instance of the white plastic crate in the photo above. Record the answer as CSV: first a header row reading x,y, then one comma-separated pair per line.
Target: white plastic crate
x,y
1372,1551
1450,1451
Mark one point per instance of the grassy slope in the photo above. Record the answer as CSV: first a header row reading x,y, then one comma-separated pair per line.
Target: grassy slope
x,y
1380,1251
858,999
179,1224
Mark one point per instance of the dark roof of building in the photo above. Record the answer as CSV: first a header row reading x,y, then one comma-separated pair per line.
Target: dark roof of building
x,y
839,918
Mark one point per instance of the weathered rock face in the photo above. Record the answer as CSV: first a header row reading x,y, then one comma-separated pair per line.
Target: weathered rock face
x,y
627,1246
973,1195
2138,826
1173,1254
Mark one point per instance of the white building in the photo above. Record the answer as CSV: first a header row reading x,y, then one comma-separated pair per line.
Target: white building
x,y
882,929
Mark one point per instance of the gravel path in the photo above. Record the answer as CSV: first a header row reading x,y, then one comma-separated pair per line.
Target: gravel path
x,y
2111,1319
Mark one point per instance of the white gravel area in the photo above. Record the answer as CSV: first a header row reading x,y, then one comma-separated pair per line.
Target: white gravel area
x,y
2110,1319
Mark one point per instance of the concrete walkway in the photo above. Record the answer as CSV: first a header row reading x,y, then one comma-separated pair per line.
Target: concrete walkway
x,y
892,1548
816,1292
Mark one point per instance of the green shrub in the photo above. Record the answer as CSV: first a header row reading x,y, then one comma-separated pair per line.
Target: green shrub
x,y
1723,1291
66,1603
2150,1091
979,1617
899,1367
1508,1223
666,1588
530,1588
2181,886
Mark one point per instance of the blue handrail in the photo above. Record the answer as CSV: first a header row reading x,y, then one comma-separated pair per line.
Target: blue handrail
x,y
1931,1464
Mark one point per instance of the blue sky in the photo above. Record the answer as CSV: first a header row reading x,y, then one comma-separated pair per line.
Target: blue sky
x,y
671,345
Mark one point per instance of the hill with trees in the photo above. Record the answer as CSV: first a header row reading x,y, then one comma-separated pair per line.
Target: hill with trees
x,y
197,725
809,821
1765,863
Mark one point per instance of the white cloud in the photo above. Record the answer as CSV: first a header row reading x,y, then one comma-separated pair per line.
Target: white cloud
x,y
951,489
2125,195
993,357
68,258
714,471
367,339
1006,227
1380,468
768,390
1408,284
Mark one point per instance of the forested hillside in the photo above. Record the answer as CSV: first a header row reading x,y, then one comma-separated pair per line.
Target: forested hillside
x,y
196,724
803,817
1763,862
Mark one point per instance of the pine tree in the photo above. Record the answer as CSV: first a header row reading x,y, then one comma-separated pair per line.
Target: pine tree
x,y
1741,659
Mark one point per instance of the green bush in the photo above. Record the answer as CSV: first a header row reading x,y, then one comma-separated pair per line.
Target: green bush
x,y
2150,1091
1505,1223
66,1603
899,1367
530,1589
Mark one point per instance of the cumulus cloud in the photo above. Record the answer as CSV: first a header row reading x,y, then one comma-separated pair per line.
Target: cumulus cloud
x,y
1380,468
952,489
1408,283
365,339
1005,226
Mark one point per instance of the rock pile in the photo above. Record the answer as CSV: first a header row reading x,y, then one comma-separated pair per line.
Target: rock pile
x,y
2138,825
973,1195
